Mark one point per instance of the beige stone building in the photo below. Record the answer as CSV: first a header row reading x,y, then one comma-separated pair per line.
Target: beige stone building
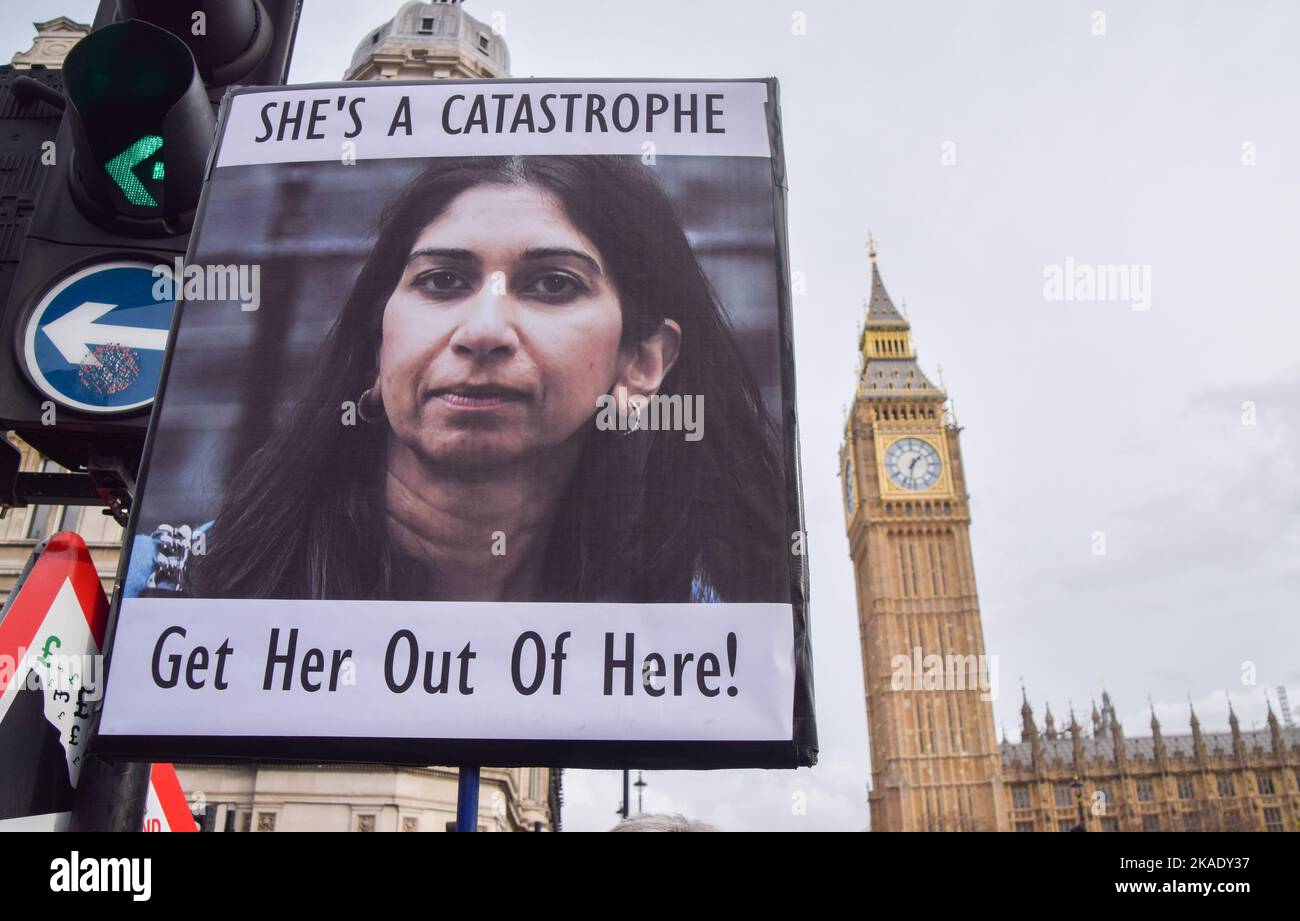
x,y
54,39
436,40
363,798
936,765
1224,781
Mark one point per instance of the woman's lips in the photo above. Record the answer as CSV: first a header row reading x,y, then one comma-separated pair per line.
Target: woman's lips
x,y
472,398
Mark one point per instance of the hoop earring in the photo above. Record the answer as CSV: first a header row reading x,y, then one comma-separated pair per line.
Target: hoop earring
x,y
634,423
368,397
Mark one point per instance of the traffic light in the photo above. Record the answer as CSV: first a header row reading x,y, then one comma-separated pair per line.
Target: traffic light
x,y
141,126
84,333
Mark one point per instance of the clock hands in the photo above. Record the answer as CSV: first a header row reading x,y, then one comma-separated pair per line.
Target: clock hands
x,y
903,458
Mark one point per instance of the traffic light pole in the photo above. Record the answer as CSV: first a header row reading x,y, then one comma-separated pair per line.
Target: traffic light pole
x,y
111,796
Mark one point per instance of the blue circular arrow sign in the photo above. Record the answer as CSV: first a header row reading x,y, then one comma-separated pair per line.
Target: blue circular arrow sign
x,y
96,341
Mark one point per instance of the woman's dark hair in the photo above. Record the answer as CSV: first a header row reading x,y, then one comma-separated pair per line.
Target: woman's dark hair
x,y
645,516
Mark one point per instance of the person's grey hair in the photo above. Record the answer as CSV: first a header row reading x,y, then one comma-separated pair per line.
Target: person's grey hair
x,y
653,822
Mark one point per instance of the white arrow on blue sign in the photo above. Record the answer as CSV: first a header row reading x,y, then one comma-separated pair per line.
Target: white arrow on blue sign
x,y
96,341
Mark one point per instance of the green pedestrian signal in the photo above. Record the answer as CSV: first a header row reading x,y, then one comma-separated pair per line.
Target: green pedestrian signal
x,y
135,96
122,169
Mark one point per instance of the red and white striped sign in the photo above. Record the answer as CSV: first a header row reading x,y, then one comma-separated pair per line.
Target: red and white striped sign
x,y
51,680
167,809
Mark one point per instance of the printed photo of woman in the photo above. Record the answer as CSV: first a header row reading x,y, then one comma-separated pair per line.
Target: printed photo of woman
x,y
448,446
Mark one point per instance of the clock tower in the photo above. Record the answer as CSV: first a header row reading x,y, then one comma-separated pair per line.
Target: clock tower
x,y
934,758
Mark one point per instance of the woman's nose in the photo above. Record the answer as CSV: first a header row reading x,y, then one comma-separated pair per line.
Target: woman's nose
x,y
486,325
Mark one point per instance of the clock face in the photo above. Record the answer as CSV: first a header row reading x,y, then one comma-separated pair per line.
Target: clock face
x,y
913,463
850,491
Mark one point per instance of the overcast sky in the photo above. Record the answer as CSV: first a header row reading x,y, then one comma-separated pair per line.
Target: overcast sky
x,y
984,143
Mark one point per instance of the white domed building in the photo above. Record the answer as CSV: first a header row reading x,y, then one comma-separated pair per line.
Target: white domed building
x,y
427,41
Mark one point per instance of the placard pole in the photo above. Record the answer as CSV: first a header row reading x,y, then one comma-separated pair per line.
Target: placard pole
x,y
467,799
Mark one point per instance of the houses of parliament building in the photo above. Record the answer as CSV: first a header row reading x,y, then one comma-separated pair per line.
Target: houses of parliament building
x,y
936,762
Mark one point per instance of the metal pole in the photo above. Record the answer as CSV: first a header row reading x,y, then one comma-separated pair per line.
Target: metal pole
x,y
111,796
626,794
467,799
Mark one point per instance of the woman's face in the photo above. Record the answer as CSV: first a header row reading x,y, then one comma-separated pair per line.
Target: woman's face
x,y
502,332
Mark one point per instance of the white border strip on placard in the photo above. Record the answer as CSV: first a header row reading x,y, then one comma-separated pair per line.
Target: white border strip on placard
x,y
761,709
740,127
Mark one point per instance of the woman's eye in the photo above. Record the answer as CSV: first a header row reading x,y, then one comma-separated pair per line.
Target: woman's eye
x,y
441,281
556,286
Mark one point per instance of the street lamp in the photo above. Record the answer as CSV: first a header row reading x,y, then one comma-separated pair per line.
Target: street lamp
x,y
640,790
1077,786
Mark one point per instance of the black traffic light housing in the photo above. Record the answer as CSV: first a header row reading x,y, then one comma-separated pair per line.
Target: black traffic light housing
x,y
135,99
227,39
131,154
31,109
